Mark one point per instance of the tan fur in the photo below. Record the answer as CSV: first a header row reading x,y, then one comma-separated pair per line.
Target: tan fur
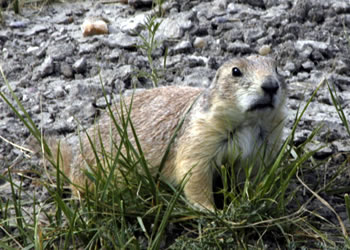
x,y
219,128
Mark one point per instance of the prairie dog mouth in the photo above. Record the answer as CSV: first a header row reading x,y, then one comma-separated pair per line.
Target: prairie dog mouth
x,y
262,103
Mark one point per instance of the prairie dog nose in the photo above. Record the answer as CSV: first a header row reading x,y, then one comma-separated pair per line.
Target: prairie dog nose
x,y
270,85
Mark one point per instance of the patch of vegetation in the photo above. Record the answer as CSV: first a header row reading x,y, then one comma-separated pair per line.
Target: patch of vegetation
x,y
17,5
158,4
149,45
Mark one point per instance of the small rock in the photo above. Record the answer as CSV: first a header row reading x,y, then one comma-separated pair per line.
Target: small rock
x,y
231,8
33,49
342,67
300,10
139,3
343,82
316,14
60,51
125,72
302,76
341,7
122,41
18,24
197,79
5,53
66,70
35,30
45,119
41,52
342,145
4,36
173,60
101,102
199,43
174,27
316,56
300,45
62,126
256,3
132,26
293,28
301,136
222,4
196,61
200,31
322,151
306,52
86,48
251,35
94,26
265,50
238,47
290,66
212,63
80,65
46,68
63,19
308,66
114,56
182,47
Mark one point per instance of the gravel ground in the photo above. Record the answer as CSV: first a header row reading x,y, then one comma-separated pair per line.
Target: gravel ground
x,y
54,69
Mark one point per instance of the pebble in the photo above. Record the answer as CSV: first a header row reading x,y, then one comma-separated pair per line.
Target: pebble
x,y
33,49
342,145
93,26
80,65
231,8
196,61
181,48
199,43
122,41
18,24
239,48
125,72
101,102
197,78
322,151
300,45
140,3
135,25
265,50
45,69
308,66
174,27
256,3
66,70
4,35
35,30
87,48
290,66
343,82
60,51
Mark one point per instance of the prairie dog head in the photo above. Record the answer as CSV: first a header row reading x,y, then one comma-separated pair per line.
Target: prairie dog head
x,y
250,85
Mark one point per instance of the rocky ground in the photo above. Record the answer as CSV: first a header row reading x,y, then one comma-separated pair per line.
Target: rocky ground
x,y
54,70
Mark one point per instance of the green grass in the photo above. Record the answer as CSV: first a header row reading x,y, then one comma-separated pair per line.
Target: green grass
x,y
138,211
148,45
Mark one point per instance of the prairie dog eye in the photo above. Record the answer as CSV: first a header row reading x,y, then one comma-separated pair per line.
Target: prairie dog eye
x,y
236,72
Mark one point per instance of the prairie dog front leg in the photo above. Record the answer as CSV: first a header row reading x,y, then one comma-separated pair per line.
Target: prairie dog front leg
x,y
199,184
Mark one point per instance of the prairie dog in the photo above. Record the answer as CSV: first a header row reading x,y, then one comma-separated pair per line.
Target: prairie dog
x,y
242,111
